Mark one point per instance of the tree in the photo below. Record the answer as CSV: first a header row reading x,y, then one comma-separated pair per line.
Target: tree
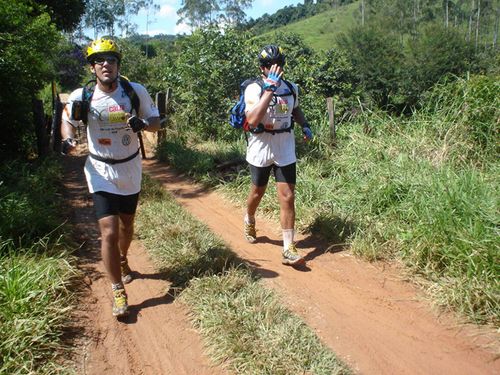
x,y
438,51
66,14
105,15
201,13
27,46
377,60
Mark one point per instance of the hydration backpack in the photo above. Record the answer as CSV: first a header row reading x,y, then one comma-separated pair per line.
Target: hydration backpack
x,y
81,108
237,118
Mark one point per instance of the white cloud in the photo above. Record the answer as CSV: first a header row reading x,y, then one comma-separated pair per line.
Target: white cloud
x,y
167,11
182,28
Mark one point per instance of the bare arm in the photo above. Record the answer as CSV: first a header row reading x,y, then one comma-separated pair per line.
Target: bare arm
x,y
67,136
255,115
298,116
154,124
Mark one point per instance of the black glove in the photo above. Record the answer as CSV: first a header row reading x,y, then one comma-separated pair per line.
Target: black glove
x,y
67,145
137,124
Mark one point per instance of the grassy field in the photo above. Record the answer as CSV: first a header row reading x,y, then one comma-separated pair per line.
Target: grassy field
x,y
241,322
319,32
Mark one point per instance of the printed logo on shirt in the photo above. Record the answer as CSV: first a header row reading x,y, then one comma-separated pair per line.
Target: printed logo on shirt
x,y
126,140
104,141
116,113
282,105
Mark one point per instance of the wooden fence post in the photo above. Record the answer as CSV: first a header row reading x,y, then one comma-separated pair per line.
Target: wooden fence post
x,y
40,128
56,124
161,103
331,117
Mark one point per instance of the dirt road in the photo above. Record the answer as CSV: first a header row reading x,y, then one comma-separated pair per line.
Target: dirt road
x,y
370,317
157,338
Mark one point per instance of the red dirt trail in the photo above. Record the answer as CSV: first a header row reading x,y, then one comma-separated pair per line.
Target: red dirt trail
x,y
367,314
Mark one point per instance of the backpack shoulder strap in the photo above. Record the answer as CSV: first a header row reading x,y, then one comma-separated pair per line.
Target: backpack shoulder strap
x,y
292,90
88,91
129,90
249,81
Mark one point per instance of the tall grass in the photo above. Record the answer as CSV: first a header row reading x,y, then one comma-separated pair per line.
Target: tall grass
x,y
244,325
36,270
422,190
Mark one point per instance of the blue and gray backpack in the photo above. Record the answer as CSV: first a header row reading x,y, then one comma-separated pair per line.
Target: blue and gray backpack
x,y
237,118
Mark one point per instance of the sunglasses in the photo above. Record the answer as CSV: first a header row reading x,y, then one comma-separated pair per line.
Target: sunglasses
x,y
102,59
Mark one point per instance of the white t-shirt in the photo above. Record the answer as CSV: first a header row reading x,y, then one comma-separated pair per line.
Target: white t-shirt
x,y
264,148
109,137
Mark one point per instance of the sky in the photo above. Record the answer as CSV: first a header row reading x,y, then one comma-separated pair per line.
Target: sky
x,y
164,21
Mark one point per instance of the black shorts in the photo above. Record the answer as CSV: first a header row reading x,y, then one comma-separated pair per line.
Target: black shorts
x,y
260,175
108,204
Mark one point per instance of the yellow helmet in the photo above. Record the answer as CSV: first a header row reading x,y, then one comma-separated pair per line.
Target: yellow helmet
x,y
101,46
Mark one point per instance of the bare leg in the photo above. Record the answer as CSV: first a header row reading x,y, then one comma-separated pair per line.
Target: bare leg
x,y
286,197
254,198
126,233
110,252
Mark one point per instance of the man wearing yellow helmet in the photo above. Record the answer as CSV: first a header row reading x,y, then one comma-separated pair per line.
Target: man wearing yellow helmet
x,y
113,169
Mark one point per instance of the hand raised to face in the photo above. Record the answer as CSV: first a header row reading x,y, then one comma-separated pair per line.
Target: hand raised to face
x,y
272,77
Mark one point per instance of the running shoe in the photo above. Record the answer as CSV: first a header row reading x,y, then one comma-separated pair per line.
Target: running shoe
x,y
120,305
126,271
250,232
291,257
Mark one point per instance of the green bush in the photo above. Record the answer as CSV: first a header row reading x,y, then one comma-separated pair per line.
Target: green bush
x,y
29,210
27,46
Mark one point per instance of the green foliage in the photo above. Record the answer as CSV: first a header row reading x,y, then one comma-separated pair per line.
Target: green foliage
x,y
35,269
318,31
472,107
291,14
70,66
29,210
437,52
204,13
34,312
205,79
377,60
247,328
107,15
65,14
27,45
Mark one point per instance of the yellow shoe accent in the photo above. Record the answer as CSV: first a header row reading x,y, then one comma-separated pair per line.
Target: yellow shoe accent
x,y
291,256
120,304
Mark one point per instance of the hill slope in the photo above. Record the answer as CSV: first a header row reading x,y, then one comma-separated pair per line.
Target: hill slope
x,y
319,31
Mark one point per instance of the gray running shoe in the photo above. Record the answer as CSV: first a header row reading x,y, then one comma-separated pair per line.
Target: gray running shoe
x,y
291,257
126,271
250,232
120,304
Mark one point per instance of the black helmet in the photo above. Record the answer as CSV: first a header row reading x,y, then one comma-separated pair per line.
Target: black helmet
x,y
271,54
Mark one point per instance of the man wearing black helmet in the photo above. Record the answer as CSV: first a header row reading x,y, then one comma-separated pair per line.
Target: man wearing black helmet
x,y
113,168
271,110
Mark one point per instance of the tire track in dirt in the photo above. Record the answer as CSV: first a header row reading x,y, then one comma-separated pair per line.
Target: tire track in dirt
x,y
157,338
366,313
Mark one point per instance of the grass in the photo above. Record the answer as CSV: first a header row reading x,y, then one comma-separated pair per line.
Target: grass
x,y
36,272
422,191
320,31
244,325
